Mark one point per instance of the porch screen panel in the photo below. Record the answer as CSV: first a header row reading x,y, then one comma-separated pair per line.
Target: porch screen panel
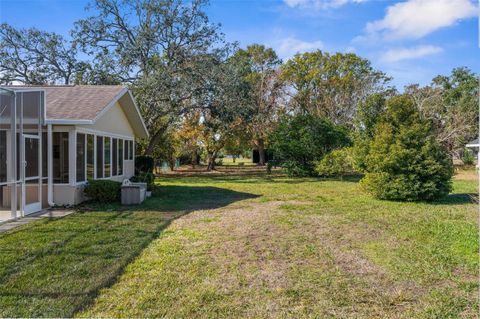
x,y
81,157
120,157
3,156
60,157
107,157
114,157
90,157
8,121
44,155
99,156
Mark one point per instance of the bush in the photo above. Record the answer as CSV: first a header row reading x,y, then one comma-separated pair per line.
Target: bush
x,y
404,160
301,140
144,164
468,158
104,191
148,178
336,163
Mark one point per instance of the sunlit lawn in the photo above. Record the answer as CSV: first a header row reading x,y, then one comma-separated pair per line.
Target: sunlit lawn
x,y
250,247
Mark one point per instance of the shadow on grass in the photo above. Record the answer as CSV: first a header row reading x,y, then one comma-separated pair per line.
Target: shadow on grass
x,y
56,267
258,178
458,199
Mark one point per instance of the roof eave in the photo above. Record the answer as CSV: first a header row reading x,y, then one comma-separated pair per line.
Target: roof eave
x,y
68,122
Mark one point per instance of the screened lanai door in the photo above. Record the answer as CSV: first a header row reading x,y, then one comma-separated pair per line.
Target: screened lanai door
x,y
21,183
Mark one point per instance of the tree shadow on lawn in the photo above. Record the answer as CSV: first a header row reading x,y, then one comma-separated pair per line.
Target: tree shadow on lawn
x,y
255,179
56,267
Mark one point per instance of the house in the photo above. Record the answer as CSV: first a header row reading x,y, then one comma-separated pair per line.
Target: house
x,y
53,139
474,147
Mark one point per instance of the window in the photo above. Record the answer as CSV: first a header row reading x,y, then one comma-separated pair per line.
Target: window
x,y
120,157
114,157
81,157
90,157
60,157
107,157
99,156
127,143
130,150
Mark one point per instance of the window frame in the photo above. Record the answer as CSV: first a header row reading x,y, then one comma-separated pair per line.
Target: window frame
x,y
104,135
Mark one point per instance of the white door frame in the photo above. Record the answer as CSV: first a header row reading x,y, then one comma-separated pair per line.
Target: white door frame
x,y
36,206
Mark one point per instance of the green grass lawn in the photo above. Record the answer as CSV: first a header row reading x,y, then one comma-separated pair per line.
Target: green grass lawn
x,y
238,161
250,247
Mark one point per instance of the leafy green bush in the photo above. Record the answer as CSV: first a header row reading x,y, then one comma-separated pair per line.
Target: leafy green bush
x,y
148,178
404,160
301,140
104,191
336,163
468,158
144,164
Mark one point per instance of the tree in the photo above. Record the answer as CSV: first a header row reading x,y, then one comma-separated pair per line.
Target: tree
x,y
404,161
189,136
301,140
368,114
31,56
451,103
331,86
261,66
162,47
226,107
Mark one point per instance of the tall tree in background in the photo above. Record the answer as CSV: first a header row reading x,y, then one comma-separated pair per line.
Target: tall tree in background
x,y
31,56
451,103
161,47
331,86
261,67
226,107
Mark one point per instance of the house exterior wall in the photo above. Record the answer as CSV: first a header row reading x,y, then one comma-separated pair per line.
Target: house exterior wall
x,y
113,121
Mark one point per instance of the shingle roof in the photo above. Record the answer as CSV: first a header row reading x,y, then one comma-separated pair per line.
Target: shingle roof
x,y
77,102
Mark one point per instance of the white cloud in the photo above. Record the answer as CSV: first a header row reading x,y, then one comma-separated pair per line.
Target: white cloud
x,y
414,19
288,47
319,4
395,55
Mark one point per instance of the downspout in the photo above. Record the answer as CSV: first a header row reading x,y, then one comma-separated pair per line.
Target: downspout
x,y
50,165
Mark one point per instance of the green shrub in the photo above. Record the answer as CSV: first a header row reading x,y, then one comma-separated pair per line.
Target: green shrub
x,y
144,164
404,160
468,158
336,163
301,140
104,191
148,178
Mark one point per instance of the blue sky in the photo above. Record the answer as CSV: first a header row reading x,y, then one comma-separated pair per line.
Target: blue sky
x,y
410,40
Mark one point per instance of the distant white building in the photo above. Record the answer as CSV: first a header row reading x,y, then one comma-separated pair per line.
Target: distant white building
x,y
474,146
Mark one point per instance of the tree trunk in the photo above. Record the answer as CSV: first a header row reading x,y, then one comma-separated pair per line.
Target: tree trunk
x,y
261,152
234,158
211,161
194,159
154,141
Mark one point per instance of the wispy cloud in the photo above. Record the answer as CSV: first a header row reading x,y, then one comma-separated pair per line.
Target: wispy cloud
x,y
395,55
288,47
319,4
414,19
